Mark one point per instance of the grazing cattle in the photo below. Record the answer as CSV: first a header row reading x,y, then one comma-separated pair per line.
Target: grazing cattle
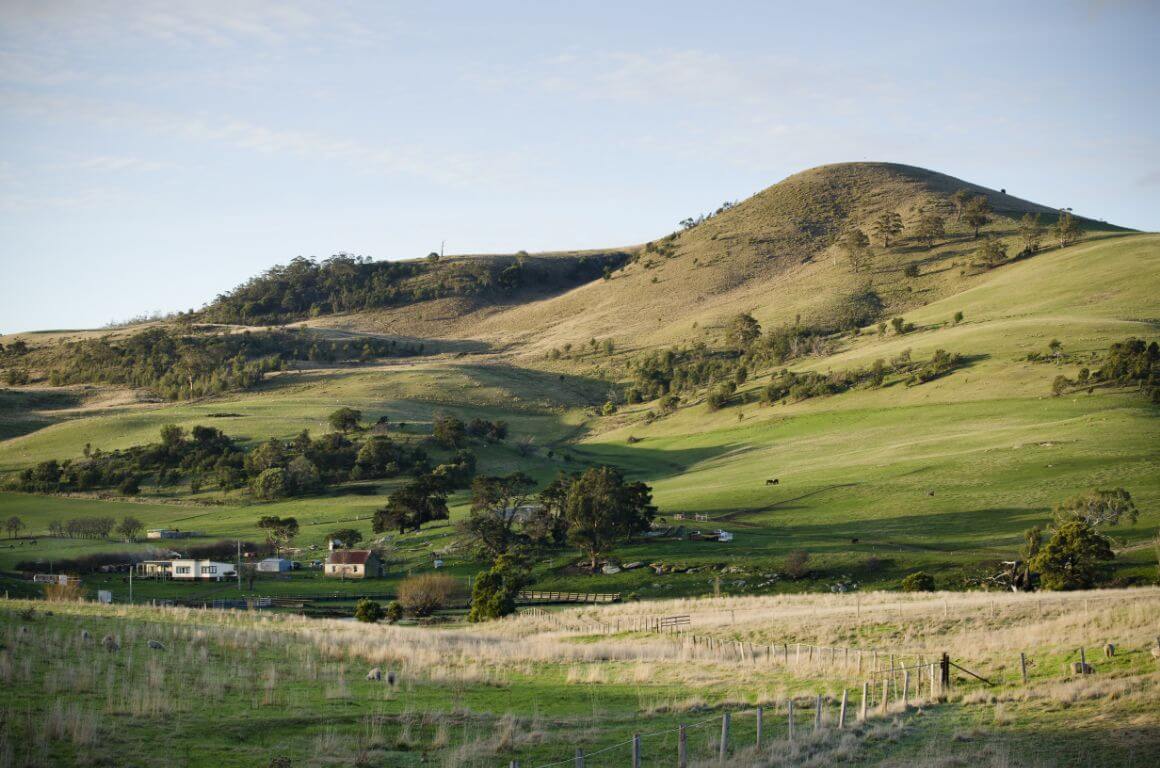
x,y
155,645
853,541
772,481
375,674
1109,650
110,643
390,678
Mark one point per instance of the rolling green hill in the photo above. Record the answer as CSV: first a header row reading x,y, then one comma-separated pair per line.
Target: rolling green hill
x,y
873,482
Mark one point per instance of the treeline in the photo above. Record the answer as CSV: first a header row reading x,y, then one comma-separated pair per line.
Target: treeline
x,y
344,283
789,385
182,365
1129,363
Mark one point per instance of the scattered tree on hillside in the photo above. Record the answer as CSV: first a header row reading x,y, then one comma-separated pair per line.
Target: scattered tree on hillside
x,y
977,213
499,508
856,246
345,420
280,531
992,252
412,505
796,562
1066,230
1099,507
13,525
887,225
929,228
959,200
449,431
602,510
742,331
130,528
1030,232
1073,558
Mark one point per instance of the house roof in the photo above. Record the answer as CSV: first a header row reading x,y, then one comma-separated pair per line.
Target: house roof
x,y
349,557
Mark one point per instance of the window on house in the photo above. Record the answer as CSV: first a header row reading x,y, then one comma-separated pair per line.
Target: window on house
x,y
183,569
211,569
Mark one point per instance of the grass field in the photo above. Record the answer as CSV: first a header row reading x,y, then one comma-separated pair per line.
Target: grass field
x,y
238,689
941,476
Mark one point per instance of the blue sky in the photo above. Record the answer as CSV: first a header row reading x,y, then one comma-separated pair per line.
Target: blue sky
x,y
155,154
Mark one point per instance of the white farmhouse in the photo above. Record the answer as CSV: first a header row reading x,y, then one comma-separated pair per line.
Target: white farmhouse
x,y
201,569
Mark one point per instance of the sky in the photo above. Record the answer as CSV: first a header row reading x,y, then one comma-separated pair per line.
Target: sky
x,y
154,155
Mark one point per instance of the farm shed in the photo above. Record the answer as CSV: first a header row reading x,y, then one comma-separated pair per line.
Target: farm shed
x,y
275,565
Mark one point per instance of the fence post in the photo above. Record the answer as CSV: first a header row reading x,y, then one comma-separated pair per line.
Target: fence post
x,y
682,748
789,719
1023,666
579,758
931,691
724,737
636,750
865,698
760,724
885,695
842,711
514,764
818,713
905,689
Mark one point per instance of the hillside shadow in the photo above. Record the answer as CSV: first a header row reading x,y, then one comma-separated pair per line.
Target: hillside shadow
x,y
23,412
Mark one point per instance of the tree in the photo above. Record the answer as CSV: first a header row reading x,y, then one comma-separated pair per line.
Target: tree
x,y
302,475
898,324
496,512
369,611
911,270
1073,558
1099,507
977,213
130,527
345,420
426,593
856,246
412,505
742,331
13,525
919,581
992,252
887,225
172,435
449,431
131,485
602,510
1066,230
280,531
929,228
959,199
795,563
270,484
348,537
495,590
1030,232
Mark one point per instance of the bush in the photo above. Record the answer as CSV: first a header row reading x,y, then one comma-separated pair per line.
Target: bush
x,y
71,592
426,593
368,611
795,563
919,581
394,611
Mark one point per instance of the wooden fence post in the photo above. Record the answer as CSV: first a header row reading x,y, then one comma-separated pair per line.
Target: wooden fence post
x,y
905,689
885,695
760,724
1023,666
842,711
636,750
724,737
789,719
865,698
682,747
579,758
514,764
818,713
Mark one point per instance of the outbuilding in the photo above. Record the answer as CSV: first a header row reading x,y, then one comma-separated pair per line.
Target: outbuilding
x,y
353,564
275,565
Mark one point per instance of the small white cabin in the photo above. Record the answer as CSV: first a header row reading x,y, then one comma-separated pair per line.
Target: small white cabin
x,y
201,569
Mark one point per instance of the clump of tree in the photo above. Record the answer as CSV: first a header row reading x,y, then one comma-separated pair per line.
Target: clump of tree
x,y
409,507
1030,232
1128,363
601,509
856,246
991,253
887,225
280,531
14,525
494,593
797,563
930,227
1099,507
919,581
1074,557
977,213
1066,230
183,364
786,385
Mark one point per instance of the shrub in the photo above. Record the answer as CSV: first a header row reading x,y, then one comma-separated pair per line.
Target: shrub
x,y
72,592
368,611
919,581
426,593
795,563
394,611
